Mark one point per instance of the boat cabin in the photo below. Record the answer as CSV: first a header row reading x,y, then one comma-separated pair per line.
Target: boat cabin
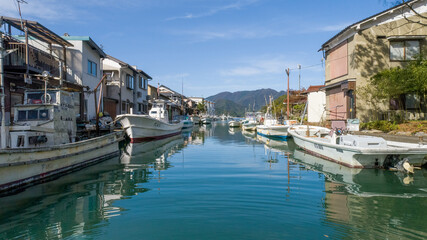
x,y
46,118
159,111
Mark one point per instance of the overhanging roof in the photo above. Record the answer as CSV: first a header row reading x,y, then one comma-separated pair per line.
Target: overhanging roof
x,y
121,63
36,30
325,45
145,74
89,41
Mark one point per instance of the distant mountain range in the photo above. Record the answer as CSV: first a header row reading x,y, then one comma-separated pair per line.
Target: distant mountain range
x,y
235,103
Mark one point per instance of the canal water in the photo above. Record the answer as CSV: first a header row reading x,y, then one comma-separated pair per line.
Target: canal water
x,y
216,183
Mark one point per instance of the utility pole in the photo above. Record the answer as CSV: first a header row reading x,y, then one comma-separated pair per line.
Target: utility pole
x,y
287,105
299,77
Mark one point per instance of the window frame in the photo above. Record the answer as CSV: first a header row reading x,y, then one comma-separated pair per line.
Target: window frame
x,y
90,68
405,45
130,81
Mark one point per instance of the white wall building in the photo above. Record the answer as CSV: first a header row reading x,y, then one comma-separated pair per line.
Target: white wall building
x,y
316,100
121,84
141,106
84,67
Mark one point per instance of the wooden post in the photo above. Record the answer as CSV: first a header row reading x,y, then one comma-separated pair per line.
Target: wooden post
x,y
27,54
287,104
96,105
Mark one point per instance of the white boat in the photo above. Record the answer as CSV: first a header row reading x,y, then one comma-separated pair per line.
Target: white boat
x,y
271,128
206,120
150,127
356,151
43,141
186,121
234,124
250,123
196,120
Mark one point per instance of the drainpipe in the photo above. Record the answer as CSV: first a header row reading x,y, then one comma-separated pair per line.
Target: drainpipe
x,y
3,120
120,91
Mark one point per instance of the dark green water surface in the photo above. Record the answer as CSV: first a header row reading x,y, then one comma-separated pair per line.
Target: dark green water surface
x,y
214,183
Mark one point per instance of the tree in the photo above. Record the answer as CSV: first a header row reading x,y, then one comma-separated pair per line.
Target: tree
x,y
201,108
393,83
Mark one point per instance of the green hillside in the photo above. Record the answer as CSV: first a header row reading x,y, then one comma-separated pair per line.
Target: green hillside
x,y
227,107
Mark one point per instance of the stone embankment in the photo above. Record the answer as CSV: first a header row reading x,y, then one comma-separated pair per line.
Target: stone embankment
x,y
397,136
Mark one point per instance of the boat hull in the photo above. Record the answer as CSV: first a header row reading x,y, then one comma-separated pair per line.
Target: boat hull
x,y
22,167
357,157
141,128
206,121
234,124
275,131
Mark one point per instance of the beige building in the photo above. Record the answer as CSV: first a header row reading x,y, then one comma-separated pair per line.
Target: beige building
x,y
388,39
122,87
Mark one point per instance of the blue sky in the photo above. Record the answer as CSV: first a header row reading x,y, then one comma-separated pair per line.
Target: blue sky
x,y
209,45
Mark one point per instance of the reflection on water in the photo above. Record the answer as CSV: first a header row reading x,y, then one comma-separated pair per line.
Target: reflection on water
x,y
211,183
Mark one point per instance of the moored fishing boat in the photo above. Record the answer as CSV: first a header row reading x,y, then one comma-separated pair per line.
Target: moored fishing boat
x,y
206,120
234,124
271,128
186,121
250,123
43,141
195,119
150,127
356,151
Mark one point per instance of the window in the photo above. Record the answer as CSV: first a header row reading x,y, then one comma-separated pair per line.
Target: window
x,y
404,50
27,115
129,81
142,83
92,68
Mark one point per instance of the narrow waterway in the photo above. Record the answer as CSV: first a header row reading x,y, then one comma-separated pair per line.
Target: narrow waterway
x,y
214,183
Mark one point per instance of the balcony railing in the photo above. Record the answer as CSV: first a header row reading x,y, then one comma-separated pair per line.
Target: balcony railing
x,y
38,60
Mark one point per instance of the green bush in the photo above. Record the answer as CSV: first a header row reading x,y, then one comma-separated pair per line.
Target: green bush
x,y
385,126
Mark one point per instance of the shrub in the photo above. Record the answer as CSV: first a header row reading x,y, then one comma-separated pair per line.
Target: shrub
x,y
385,126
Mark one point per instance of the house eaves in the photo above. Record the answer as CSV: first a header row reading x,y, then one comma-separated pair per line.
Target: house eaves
x,y
357,26
36,30
89,41
121,63
145,74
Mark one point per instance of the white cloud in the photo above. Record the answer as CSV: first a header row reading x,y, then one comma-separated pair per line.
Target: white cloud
x,y
38,9
234,6
230,34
